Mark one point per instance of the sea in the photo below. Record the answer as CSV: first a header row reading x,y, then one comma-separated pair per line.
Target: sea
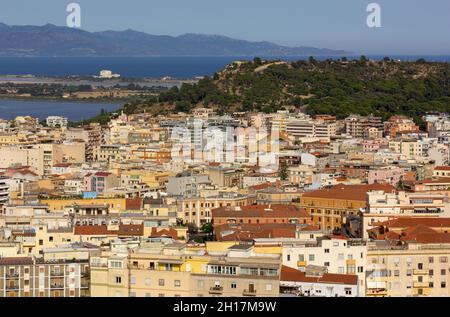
x,y
149,67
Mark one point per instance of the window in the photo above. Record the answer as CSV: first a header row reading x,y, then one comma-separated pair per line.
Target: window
x,y
301,257
133,280
420,279
132,294
348,291
443,259
443,271
408,272
161,282
340,256
326,263
420,266
177,283
200,284
443,285
118,280
268,287
341,270
147,281
116,264
311,257
327,250
396,273
431,272
431,259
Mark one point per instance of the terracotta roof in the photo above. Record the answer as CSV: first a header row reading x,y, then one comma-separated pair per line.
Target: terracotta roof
x,y
442,168
292,275
16,261
414,221
133,204
171,233
124,230
240,232
349,192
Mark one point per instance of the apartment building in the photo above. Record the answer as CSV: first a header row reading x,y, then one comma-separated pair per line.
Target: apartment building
x,y
308,128
171,270
198,210
419,267
408,148
32,277
382,206
356,125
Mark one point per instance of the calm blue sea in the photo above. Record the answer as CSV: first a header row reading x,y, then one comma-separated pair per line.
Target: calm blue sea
x,y
75,111
149,67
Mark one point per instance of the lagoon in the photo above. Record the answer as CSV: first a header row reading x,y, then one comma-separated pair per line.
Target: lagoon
x,y
73,110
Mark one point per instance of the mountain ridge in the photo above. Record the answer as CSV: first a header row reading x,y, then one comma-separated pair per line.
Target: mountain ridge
x,y
50,40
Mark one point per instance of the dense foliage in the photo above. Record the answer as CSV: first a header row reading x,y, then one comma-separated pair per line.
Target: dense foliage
x,y
337,87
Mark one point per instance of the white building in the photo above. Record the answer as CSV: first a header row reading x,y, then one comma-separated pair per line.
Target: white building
x,y
56,121
338,255
316,282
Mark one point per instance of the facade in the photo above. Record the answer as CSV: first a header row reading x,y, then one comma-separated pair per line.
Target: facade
x,y
29,277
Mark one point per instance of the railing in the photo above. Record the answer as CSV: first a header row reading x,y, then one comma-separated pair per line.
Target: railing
x,y
54,273
12,287
12,275
84,285
57,286
247,292
216,290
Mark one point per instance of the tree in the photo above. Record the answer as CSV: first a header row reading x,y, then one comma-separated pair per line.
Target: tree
x,y
257,61
283,173
207,228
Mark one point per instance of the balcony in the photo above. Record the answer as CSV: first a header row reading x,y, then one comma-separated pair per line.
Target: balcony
x,y
216,290
376,292
84,285
420,272
55,273
57,286
12,287
247,292
12,275
421,284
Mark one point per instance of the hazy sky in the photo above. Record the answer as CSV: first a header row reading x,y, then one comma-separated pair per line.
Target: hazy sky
x,y
408,26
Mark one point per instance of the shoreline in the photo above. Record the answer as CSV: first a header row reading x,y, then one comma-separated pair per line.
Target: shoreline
x,y
60,99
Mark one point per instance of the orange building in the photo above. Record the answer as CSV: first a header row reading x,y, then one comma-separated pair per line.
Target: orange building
x,y
328,207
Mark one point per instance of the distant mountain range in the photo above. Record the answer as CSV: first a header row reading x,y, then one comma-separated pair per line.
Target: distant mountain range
x,y
51,40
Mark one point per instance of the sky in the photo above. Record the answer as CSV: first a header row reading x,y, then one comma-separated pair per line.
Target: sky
x,y
407,26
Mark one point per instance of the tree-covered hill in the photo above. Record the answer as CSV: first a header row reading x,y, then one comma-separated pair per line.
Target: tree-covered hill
x,y
337,87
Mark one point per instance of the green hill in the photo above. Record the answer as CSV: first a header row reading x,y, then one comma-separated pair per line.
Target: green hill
x,y
337,87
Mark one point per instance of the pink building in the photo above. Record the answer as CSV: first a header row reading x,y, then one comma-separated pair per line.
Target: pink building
x,y
100,181
386,175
